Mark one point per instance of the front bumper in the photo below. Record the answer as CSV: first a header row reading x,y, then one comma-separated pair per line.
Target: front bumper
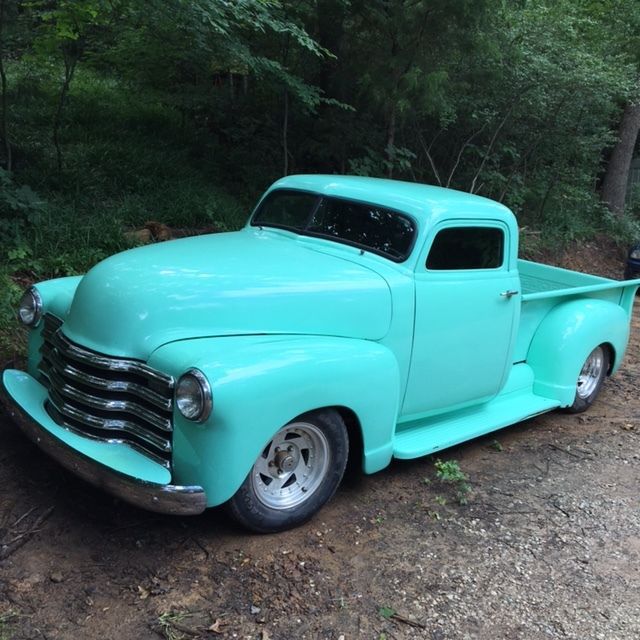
x,y
23,398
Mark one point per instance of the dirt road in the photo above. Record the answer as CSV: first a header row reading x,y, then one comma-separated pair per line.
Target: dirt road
x,y
548,546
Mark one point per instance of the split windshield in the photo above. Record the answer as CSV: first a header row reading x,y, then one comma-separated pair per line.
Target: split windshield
x,y
368,226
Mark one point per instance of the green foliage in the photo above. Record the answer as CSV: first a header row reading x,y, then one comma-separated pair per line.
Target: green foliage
x,y
449,472
12,340
20,208
387,612
6,618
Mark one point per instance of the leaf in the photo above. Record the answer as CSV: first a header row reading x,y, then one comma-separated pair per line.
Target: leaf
x,y
144,593
387,612
217,626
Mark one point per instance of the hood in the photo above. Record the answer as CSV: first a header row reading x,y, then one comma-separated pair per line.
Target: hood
x,y
240,283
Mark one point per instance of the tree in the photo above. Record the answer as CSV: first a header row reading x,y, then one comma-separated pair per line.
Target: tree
x,y
66,28
614,185
620,22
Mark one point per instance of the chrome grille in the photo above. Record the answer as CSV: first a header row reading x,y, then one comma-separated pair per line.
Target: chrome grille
x,y
107,398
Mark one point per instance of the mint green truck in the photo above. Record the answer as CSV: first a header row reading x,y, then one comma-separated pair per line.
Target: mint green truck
x,y
350,318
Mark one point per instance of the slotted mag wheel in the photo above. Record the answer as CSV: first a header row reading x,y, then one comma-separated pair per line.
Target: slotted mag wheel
x,y
292,466
591,373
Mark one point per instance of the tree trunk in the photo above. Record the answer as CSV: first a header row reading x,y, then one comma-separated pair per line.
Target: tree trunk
x,y
285,135
69,69
4,124
614,185
391,141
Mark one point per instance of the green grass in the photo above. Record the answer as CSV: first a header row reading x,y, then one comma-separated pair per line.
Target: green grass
x,y
5,620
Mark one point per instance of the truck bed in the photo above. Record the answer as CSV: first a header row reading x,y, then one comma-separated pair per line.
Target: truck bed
x,y
543,287
543,281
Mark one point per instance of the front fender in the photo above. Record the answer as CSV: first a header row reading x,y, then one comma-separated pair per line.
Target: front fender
x,y
260,383
565,338
57,295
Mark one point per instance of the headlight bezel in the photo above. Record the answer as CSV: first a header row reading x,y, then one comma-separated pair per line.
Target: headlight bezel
x,y
206,396
34,310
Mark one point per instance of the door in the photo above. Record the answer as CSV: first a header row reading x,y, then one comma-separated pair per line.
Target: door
x,y
467,292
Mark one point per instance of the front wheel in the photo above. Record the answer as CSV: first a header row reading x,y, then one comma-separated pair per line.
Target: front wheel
x,y
590,379
295,475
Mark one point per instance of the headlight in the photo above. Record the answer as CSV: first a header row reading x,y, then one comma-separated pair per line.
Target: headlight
x,y
30,309
193,396
635,254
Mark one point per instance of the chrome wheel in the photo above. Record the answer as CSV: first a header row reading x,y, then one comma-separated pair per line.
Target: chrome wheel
x,y
292,466
591,373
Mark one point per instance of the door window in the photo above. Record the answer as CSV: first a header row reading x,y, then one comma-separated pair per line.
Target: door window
x,y
457,248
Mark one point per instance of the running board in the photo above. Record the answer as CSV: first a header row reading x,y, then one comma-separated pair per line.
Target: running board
x,y
420,438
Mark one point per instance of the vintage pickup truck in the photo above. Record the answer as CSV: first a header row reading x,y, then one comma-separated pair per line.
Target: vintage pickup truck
x,y
350,316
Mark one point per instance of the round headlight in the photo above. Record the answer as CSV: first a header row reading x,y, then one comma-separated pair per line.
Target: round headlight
x,y
193,396
30,309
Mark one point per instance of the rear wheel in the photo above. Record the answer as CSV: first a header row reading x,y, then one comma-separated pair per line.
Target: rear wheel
x,y
590,379
295,475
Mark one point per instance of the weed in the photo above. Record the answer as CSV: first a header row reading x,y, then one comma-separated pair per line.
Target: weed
x,y
6,618
169,623
449,472
387,612
12,338
496,446
462,495
441,500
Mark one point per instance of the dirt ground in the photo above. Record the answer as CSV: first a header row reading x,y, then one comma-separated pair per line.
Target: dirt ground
x,y
547,546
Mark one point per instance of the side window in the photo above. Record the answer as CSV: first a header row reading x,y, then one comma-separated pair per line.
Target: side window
x,y
467,248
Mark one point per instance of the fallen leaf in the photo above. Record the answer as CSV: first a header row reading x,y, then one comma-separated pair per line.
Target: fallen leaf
x,y
217,626
144,593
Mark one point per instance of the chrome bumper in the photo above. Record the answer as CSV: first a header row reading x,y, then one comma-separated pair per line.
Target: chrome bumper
x,y
161,498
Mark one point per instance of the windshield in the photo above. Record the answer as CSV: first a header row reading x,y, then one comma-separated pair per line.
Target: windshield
x,y
368,226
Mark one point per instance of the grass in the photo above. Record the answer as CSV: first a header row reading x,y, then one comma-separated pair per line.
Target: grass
x,y
6,618
169,624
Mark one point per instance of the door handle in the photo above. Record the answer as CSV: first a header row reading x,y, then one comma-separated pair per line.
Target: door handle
x,y
509,294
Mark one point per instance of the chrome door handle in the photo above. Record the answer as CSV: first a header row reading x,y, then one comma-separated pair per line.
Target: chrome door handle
x,y
509,294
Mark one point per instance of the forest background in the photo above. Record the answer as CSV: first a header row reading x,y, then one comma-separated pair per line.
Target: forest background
x,y
117,112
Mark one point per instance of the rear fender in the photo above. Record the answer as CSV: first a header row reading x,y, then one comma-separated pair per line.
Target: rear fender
x,y
565,338
261,383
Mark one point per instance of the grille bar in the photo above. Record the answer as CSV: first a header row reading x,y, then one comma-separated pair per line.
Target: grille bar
x,y
71,373
106,363
109,399
118,427
125,406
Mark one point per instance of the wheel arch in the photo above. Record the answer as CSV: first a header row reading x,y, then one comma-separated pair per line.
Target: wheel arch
x,y
262,383
565,338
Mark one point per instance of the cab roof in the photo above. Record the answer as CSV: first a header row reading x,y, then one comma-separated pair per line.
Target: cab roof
x,y
424,202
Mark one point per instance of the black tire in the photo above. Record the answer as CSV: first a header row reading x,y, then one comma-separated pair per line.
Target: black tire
x,y
297,472
590,379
